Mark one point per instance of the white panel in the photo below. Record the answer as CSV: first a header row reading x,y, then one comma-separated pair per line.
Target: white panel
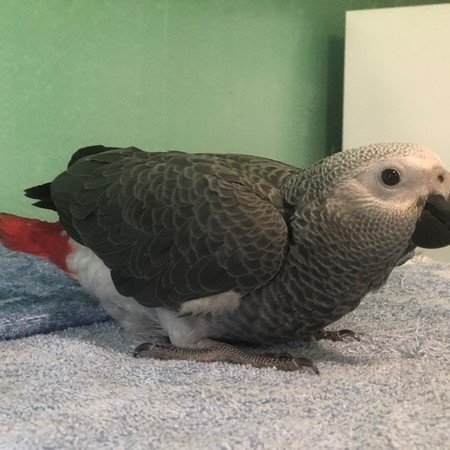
x,y
397,79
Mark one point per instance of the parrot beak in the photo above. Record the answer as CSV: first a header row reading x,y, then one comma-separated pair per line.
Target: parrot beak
x,y
433,227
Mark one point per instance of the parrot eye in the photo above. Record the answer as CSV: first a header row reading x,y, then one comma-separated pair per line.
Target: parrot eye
x,y
390,177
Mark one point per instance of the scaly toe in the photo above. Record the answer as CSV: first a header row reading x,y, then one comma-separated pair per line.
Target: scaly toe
x,y
288,363
225,353
336,335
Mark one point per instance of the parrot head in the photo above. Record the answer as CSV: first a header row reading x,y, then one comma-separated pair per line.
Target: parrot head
x,y
388,198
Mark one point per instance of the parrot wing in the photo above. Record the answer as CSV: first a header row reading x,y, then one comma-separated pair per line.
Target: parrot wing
x,y
173,226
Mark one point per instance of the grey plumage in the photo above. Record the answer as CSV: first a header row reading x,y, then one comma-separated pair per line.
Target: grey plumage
x,y
284,251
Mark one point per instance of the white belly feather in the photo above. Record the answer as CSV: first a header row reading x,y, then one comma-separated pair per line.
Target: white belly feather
x,y
185,331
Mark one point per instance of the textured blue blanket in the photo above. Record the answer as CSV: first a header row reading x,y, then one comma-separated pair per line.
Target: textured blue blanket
x,y
36,297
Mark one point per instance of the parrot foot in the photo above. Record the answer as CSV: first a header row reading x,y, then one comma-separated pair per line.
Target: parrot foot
x,y
225,353
336,335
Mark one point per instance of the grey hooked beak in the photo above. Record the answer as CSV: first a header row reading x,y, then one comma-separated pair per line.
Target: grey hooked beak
x,y
433,227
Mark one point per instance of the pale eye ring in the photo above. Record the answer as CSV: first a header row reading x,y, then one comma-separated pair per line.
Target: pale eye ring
x,y
390,177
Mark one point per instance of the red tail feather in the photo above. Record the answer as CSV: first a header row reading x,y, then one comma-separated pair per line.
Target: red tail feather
x,y
35,237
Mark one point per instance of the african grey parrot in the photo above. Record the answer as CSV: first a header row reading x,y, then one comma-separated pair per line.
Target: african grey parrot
x,y
211,250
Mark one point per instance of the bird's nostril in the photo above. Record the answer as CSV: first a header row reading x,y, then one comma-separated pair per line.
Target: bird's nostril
x,y
441,178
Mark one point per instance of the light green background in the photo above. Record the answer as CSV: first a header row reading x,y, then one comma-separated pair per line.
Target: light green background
x,y
244,76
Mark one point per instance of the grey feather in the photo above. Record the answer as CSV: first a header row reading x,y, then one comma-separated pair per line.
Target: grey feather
x,y
174,227
297,249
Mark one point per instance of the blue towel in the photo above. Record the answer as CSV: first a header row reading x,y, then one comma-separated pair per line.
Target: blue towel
x,y
36,297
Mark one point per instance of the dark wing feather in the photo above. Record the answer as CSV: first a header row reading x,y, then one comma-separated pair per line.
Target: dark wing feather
x,y
42,193
173,226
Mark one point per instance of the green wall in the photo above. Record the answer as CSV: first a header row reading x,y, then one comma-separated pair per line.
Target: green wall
x,y
250,76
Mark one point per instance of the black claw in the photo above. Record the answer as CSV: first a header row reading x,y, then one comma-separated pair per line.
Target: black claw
x,y
349,333
307,363
141,348
336,335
